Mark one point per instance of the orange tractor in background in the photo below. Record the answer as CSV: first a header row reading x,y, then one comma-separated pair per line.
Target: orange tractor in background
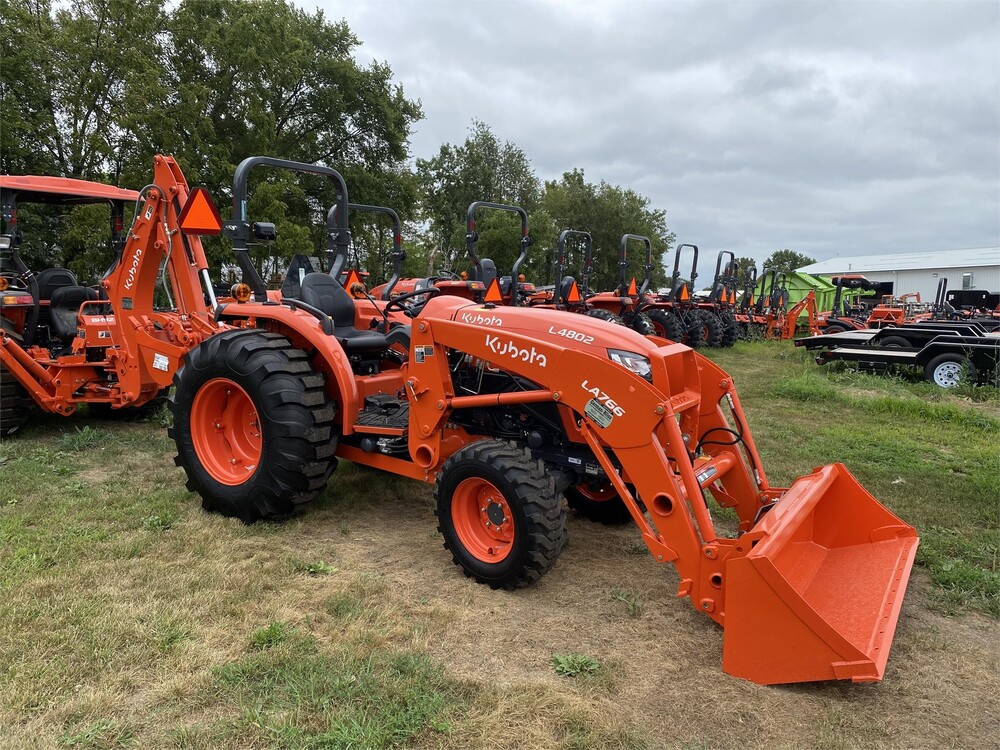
x,y
109,347
483,278
502,412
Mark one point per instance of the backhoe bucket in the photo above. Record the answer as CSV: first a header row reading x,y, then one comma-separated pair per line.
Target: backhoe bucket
x,y
818,596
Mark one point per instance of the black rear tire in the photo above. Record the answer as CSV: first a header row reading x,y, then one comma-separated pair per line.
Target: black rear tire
x,y
730,330
694,329
531,494
604,315
15,404
640,323
666,324
711,328
295,421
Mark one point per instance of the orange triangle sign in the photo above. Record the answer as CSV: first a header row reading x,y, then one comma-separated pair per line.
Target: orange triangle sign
x,y
493,293
751,300
199,215
632,290
684,293
352,279
574,294
732,297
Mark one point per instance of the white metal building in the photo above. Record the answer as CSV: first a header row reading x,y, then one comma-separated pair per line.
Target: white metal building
x,y
973,268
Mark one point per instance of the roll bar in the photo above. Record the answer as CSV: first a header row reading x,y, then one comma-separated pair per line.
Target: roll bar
x,y
749,286
398,254
677,266
472,236
623,263
238,228
588,258
727,277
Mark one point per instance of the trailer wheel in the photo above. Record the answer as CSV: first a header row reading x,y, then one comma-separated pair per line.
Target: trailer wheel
x,y
14,404
500,514
253,425
894,342
599,502
667,325
604,315
946,370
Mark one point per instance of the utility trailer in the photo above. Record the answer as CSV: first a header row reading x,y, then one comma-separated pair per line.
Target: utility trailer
x,y
943,350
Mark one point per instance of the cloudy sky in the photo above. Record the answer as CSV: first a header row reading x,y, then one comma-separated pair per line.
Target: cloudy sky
x,y
832,128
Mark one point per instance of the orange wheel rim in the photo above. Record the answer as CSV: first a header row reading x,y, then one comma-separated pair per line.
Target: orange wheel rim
x,y
226,431
483,520
599,492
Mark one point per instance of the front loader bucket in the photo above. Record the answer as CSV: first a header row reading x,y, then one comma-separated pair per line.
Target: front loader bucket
x,y
819,594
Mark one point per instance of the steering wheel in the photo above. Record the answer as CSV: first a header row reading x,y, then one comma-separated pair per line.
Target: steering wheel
x,y
396,303
447,275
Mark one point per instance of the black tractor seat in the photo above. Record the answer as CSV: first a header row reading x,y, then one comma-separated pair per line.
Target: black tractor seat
x,y
64,309
325,294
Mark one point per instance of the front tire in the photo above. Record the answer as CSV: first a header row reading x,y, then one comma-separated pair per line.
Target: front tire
x,y
500,514
253,425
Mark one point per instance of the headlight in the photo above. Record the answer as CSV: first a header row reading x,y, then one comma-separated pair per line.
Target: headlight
x,y
632,361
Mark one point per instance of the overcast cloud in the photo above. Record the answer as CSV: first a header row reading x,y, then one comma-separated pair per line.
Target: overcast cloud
x,y
831,128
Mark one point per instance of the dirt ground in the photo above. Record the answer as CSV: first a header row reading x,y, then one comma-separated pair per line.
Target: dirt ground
x,y
941,687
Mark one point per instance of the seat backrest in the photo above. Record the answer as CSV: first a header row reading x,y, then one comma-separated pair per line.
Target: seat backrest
x,y
53,278
489,272
65,307
564,289
323,293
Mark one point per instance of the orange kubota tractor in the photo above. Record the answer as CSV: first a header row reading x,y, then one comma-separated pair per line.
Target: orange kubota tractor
x,y
113,348
501,413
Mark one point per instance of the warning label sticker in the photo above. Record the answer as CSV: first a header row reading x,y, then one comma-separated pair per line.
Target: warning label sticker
x,y
599,413
160,362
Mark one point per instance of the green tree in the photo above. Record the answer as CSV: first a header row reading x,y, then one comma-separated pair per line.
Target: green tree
x,y
69,80
482,168
94,88
266,78
786,260
608,212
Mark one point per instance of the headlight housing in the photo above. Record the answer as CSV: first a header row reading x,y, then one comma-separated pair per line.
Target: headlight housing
x,y
632,361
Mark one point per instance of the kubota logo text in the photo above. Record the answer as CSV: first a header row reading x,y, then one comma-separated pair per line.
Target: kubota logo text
x,y
134,268
482,320
515,352
604,398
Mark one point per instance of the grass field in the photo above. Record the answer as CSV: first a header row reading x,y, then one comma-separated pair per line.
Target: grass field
x,y
129,618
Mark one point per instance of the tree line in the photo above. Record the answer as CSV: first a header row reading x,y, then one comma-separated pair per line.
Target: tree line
x,y
92,89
